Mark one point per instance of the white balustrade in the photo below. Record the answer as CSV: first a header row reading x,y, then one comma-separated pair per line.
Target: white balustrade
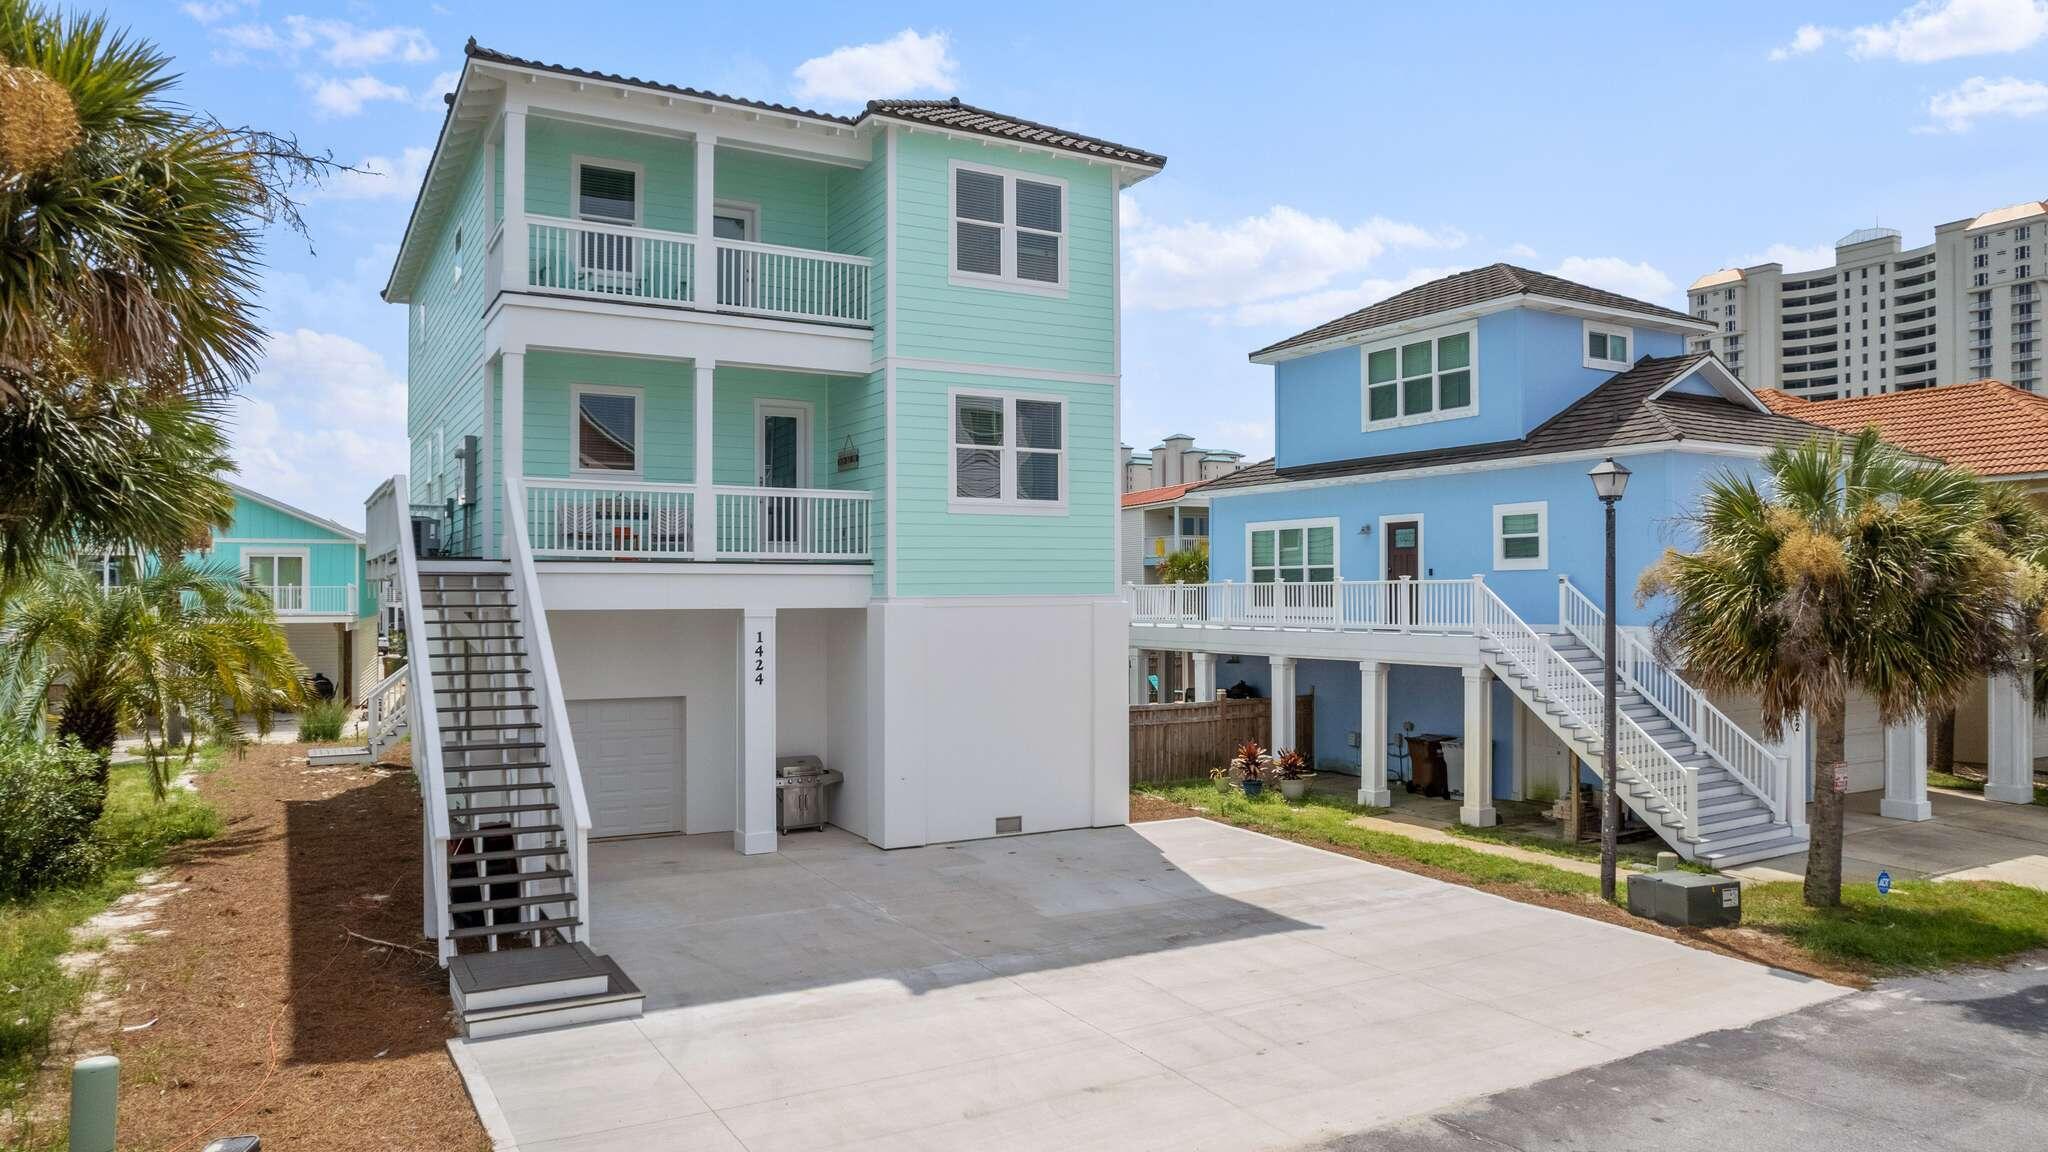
x,y
1346,605
611,261
793,524
607,518
800,283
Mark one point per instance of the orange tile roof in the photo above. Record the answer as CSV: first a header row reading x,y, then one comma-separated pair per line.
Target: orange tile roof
x,y
1987,426
1145,496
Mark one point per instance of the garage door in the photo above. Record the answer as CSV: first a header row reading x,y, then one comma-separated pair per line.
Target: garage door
x,y
631,754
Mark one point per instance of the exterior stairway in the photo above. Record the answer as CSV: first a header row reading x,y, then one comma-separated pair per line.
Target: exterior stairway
x,y
1735,825
512,859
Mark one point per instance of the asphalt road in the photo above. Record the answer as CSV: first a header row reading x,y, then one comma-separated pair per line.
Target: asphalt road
x,y
1952,1062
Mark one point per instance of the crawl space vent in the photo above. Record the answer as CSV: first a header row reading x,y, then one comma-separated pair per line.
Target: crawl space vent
x,y
1009,824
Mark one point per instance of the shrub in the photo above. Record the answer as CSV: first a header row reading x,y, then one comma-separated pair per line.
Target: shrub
x,y
50,795
323,720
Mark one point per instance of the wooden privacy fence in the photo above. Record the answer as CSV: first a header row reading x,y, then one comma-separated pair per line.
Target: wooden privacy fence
x,y
1180,741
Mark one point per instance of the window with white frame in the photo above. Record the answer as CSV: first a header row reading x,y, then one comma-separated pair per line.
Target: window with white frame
x,y
1432,376
1291,552
1009,450
113,569
281,576
606,432
607,192
1009,229
1521,536
1607,346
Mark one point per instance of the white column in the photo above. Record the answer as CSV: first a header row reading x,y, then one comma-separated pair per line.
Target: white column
x,y
1798,772
1478,808
512,432
1905,772
707,259
753,829
2011,770
1372,734
513,240
1283,702
704,504
1139,693
1205,676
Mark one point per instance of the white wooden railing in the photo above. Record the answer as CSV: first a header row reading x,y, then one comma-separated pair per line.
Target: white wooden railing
x,y
607,518
643,265
1346,605
1760,770
795,282
793,524
389,705
387,523
1554,679
561,766
305,600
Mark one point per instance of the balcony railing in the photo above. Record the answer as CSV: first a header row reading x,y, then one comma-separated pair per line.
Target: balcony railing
x,y
615,520
1160,547
645,266
315,599
1348,606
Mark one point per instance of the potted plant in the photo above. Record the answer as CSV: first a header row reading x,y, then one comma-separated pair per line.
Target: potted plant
x,y
1293,772
1250,767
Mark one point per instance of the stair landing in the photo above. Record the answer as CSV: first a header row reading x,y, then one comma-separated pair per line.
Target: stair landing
x,y
515,990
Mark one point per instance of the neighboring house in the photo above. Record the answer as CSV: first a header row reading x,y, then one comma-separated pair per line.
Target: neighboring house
x,y
2001,433
313,570
1424,554
1157,523
1175,460
780,433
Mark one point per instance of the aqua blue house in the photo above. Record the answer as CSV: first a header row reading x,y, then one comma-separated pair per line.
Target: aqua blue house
x,y
1424,554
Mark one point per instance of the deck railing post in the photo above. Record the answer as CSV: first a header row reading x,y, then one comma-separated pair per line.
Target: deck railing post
x,y
1564,593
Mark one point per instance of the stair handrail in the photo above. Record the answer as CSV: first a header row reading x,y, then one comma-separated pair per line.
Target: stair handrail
x,y
386,701
1650,763
391,503
1764,773
547,685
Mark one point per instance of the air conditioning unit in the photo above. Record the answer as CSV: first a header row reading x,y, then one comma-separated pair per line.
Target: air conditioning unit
x,y
426,535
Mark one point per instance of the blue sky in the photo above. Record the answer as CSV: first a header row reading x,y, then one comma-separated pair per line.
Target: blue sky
x,y
1320,157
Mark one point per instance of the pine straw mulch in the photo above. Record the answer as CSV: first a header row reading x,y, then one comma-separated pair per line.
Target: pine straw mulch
x,y
263,1014
1741,943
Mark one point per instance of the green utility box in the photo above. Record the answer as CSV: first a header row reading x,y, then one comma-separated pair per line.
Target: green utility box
x,y
1686,899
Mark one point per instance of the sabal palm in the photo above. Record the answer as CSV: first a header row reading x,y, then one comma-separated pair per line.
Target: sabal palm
x,y
196,639
1854,568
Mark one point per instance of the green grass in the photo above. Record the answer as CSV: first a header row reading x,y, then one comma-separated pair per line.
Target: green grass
x,y
1326,820
34,991
1967,784
1922,925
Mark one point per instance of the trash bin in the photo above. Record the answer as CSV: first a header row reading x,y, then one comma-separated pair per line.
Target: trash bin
x,y
800,783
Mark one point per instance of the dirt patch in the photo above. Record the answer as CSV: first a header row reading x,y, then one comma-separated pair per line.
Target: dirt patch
x,y
1741,943
252,1009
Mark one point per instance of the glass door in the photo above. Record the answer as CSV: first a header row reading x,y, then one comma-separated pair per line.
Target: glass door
x,y
282,578
783,456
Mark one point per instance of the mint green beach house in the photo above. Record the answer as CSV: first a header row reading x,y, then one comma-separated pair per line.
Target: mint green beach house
x,y
742,432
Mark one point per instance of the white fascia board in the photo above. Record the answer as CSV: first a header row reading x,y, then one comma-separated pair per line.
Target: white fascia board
x,y
1127,172
522,322
434,167
604,585
1483,308
1697,447
1731,388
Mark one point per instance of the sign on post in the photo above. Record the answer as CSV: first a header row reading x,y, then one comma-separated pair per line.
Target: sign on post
x,y
1884,883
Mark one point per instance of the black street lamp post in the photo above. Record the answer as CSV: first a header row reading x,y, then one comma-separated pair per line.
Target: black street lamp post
x,y
1610,480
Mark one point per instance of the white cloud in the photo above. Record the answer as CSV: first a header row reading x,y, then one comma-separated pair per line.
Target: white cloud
x,y
323,420
1640,280
905,64
345,96
1258,260
1792,256
1312,308
380,178
442,84
1933,30
1807,40
338,42
1519,251
213,11
1957,109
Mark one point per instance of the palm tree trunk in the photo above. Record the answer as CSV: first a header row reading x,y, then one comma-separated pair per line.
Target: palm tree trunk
x,y
1830,785
1942,741
95,725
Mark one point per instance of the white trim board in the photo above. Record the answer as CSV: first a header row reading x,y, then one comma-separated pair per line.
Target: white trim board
x,y
1253,527
576,393
1541,561
806,415
968,367
1733,451
1483,308
1005,503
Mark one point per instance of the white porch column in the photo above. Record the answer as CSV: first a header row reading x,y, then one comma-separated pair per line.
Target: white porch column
x,y
1478,807
1205,677
511,434
753,829
513,240
1283,702
703,502
706,192
1372,734
1798,771
2011,771
1905,773
1140,694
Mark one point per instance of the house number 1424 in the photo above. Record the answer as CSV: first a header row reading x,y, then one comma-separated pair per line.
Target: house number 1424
x,y
760,659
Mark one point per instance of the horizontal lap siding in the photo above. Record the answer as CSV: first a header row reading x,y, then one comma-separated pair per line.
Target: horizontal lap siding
x,y
444,365
859,413
857,224
733,432
668,197
793,196
667,390
945,553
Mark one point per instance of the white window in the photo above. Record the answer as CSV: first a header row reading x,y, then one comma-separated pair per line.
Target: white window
x,y
1009,452
1009,230
1608,346
1415,379
605,429
607,191
114,569
1521,536
1291,551
281,576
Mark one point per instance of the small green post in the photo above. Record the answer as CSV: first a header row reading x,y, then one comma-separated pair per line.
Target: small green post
x,y
95,1087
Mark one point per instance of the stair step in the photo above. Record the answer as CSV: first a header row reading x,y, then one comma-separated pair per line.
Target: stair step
x,y
499,854
494,746
513,929
466,769
487,789
1715,829
502,810
513,901
495,830
489,707
1752,834
1721,856
492,727
617,999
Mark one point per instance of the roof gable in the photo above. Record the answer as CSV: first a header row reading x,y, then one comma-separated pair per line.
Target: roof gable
x,y
320,524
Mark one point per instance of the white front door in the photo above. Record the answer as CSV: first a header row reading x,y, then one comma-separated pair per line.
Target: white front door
x,y
631,756
782,445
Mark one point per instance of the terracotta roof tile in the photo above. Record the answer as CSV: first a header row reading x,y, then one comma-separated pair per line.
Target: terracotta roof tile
x,y
1145,496
1987,426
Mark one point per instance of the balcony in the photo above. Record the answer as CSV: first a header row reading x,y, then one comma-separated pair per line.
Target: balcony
x,y
291,601
1158,548
620,520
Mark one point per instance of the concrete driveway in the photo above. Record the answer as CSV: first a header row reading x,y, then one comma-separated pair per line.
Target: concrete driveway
x,y
1175,985
1970,838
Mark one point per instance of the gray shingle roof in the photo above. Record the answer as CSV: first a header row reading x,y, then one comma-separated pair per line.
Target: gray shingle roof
x,y
1620,413
1462,290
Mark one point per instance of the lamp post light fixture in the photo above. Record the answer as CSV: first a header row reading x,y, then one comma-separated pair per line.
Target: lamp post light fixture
x,y
1610,481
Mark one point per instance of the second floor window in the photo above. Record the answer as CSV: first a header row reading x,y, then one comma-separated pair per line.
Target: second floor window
x,y
1009,228
607,194
1009,450
1293,553
282,577
1410,381
607,430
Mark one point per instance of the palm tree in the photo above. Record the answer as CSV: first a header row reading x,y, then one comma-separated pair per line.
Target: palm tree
x,y
1190,565
1856,568
193,639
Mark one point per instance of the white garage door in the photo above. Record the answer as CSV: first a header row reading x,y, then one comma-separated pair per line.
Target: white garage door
x,y
631,754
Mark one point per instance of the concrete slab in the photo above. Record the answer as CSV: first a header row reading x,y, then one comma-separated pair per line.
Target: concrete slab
x,y
1176,985
1969,838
